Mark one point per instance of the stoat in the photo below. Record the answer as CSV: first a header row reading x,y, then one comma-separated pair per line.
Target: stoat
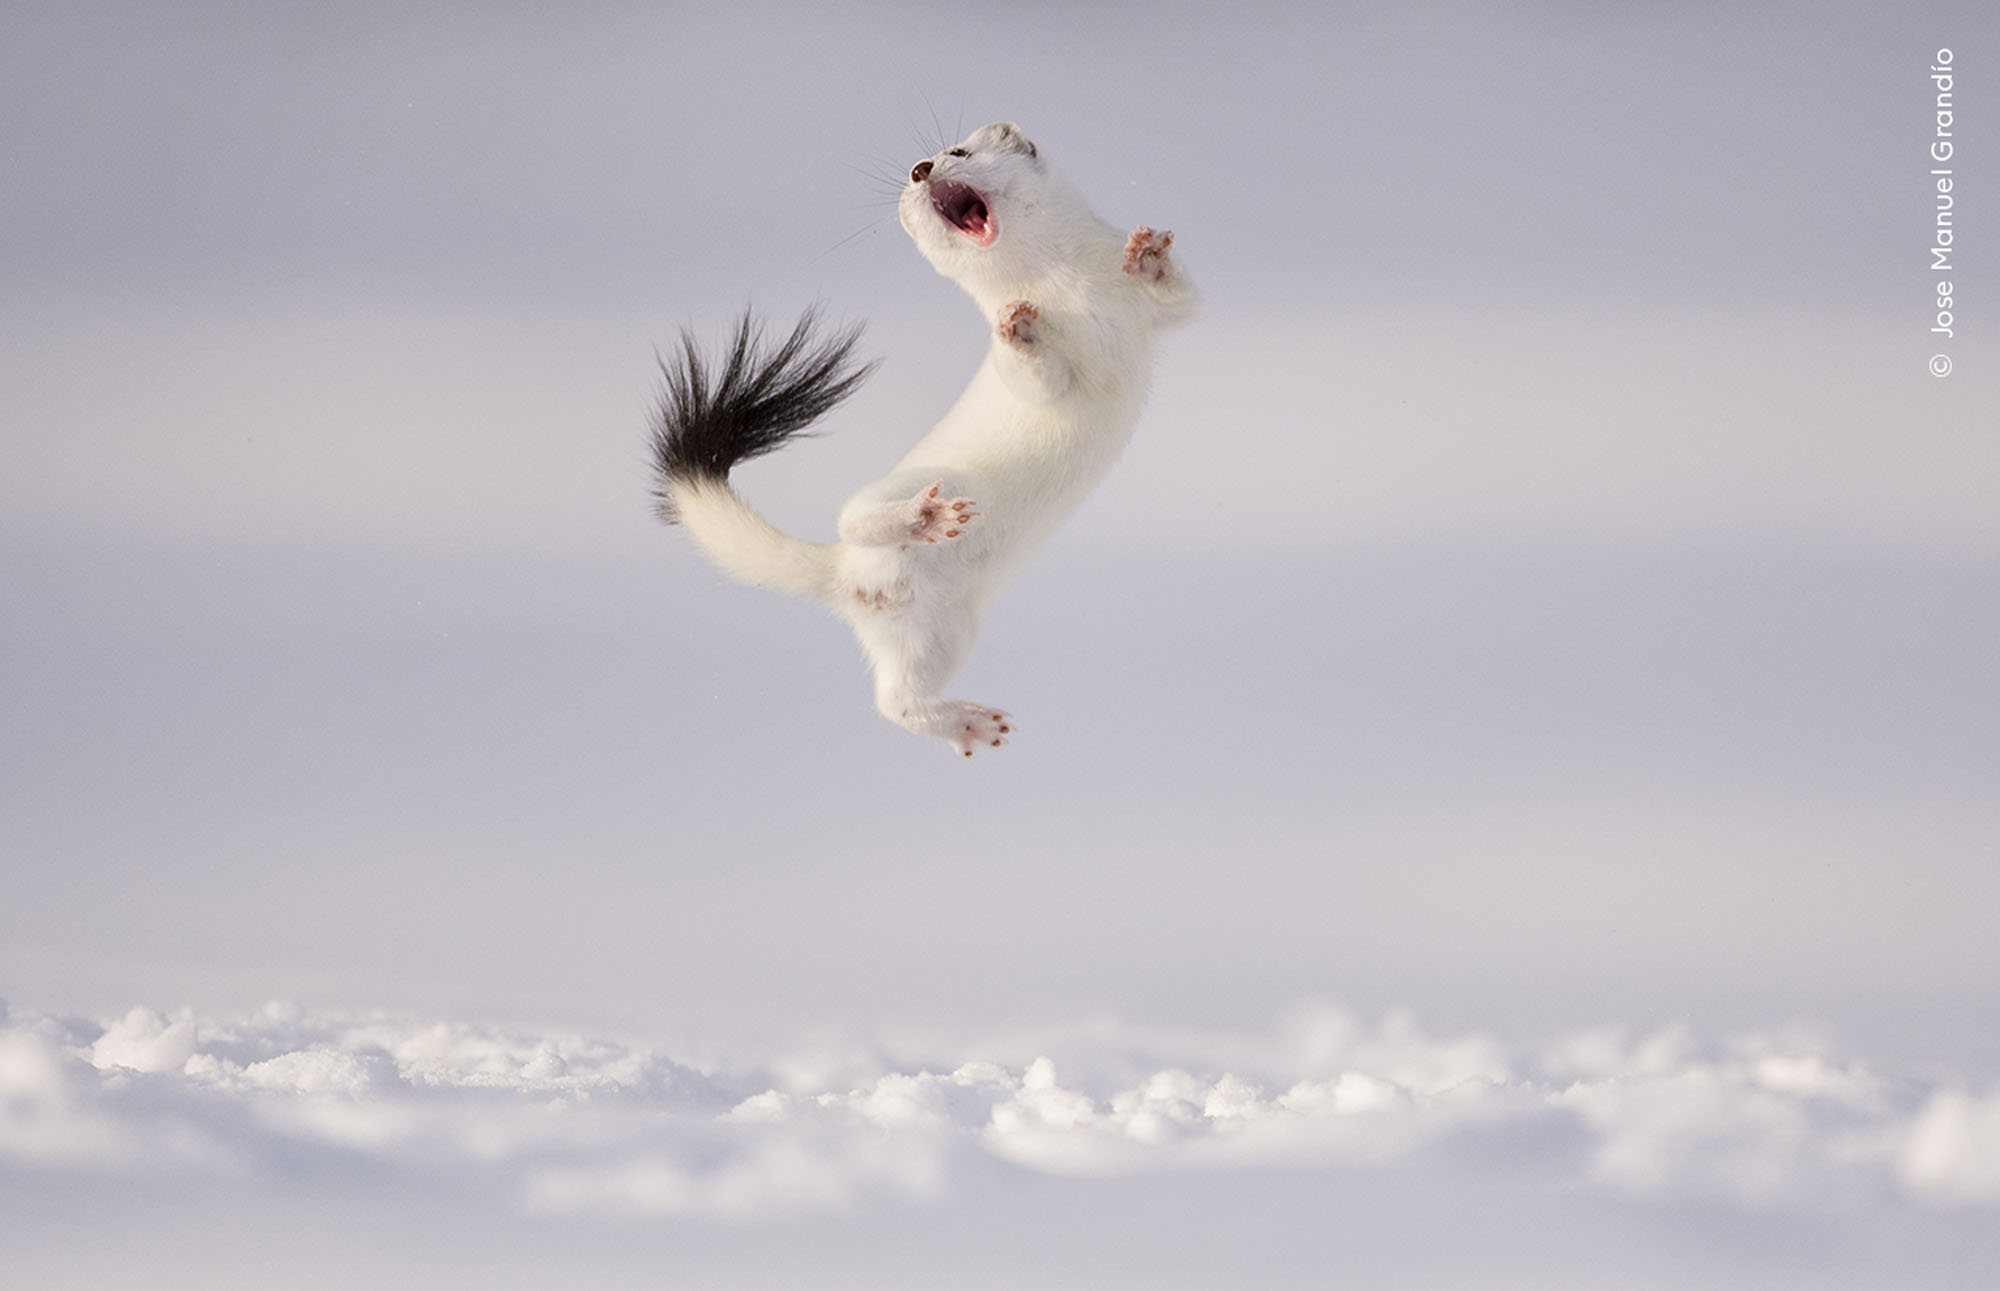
x,y
1073,304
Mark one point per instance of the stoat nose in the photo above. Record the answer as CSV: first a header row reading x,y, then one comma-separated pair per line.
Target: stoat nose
x,y
920,172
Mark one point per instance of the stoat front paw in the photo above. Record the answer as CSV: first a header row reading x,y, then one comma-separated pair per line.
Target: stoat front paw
x,y
937,517
1146,254
1019,325
1032,362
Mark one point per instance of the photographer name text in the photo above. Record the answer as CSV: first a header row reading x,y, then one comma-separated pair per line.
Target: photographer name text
x,y
1943,248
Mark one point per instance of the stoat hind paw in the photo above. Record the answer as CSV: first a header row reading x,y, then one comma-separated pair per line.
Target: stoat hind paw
x,y
940,517
1018,324
1146,253
977,726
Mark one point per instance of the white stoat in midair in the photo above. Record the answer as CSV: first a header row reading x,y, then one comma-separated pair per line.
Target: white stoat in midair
x,y
1074,305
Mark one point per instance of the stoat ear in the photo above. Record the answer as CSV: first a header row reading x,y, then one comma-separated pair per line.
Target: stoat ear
x,y
1007,137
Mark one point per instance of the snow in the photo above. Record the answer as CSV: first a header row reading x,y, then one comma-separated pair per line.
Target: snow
x,y
557,1122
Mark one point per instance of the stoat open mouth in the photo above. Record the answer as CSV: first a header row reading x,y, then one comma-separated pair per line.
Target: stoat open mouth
x,y
965,210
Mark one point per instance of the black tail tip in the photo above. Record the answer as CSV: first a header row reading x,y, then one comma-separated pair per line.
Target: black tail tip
x,y
754,399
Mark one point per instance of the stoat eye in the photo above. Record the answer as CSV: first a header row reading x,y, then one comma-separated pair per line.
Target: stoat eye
x,y
956,152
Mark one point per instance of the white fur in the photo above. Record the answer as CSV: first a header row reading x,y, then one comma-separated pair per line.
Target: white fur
x,y
1050,407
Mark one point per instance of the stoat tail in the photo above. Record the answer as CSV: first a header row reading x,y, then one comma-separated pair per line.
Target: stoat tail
x,y
709,421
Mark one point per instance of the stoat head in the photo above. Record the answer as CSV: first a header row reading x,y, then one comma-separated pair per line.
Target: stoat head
x,y
990,209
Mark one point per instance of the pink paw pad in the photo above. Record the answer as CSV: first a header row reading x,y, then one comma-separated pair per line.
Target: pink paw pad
x,y
1146,253
939,517
1017,324
980,727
